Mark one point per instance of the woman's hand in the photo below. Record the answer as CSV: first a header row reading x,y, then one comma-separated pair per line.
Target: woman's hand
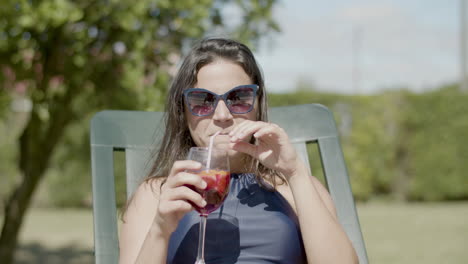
x,y
273,148
175,197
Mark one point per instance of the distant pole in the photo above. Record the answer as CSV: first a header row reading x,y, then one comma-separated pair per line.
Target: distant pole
x,y
463,79
356,56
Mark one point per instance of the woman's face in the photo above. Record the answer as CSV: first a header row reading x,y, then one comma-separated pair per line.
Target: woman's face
x,y
219,77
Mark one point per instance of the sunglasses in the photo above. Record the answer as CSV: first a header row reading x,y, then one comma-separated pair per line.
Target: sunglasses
x,y
239,100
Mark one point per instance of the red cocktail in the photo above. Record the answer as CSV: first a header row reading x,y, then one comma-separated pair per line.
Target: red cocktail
x,y
216,190
215,172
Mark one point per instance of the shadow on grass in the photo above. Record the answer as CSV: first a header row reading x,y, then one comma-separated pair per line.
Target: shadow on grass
x,y
37,253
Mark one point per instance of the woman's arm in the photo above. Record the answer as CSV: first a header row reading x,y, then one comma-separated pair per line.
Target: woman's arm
x,y
324,238
154,213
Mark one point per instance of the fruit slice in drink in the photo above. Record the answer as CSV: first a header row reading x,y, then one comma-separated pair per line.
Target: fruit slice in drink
x,y
216,190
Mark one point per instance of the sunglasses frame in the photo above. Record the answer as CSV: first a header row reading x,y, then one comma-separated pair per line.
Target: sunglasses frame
x,y
220,96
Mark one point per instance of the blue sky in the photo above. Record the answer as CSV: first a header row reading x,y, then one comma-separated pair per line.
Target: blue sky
x,y
398,43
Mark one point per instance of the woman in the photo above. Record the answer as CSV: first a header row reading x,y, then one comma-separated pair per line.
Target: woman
x,y
275,212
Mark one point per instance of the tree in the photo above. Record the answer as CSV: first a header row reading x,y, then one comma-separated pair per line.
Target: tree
x,y
102,54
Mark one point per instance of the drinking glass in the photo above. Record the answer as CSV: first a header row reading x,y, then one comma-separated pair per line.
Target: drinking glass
x,y
215,172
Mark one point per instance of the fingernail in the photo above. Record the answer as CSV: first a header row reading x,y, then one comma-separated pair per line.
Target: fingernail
x,y
204,203
204,184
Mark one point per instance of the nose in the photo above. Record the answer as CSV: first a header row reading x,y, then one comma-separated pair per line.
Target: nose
x,y
222,113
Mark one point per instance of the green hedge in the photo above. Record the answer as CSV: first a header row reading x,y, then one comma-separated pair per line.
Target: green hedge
x,y
437,127
407,145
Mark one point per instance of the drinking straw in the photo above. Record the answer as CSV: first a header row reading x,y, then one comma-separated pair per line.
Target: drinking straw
x,y
210,149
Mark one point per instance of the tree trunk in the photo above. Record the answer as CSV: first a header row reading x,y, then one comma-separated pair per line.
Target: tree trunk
x,y
14,213
37,144
32,165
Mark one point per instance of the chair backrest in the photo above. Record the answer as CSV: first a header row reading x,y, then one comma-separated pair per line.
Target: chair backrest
x,y
138,133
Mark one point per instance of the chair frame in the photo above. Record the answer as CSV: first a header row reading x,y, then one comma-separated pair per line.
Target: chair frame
x,y
116,131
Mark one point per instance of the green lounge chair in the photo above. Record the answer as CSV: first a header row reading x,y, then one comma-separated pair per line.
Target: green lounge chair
x,y
137,133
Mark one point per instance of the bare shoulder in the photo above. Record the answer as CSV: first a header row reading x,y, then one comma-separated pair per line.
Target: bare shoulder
x,y
147,194
149,188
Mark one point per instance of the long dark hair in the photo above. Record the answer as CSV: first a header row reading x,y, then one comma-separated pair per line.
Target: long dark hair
x,y
177,139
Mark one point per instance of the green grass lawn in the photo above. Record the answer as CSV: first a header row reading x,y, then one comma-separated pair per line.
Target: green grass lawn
x,y
426,233
400,233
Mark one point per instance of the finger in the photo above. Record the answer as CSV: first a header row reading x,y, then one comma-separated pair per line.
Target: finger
x,y
183,165
238,129
177,206
246,148
245,130
269,130
186,178
250,131
187,194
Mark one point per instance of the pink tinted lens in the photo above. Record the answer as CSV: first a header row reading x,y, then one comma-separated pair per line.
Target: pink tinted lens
x,y
241,100
201,103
